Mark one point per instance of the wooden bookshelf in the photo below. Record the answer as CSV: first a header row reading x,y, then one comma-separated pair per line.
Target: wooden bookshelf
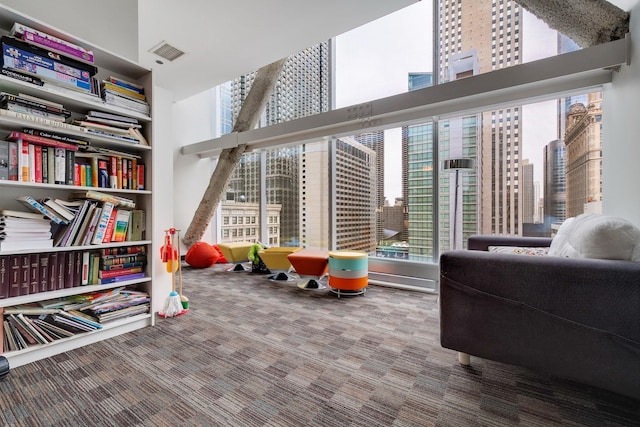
x,y
80,104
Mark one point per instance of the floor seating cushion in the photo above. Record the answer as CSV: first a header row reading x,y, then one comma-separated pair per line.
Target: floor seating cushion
x,y
201,255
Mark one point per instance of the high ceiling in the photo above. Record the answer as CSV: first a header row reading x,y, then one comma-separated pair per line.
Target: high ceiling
x,y
224,39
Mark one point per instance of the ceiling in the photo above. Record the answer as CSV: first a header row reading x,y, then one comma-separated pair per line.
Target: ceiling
x,y
223,39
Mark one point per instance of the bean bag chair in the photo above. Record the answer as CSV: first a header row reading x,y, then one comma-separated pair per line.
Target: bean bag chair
x,y
221,257
201,255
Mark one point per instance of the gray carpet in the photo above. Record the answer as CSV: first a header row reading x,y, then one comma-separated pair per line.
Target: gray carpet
x,y
251,352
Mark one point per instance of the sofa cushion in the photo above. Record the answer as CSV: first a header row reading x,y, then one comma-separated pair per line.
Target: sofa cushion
x,y
519,250
597,236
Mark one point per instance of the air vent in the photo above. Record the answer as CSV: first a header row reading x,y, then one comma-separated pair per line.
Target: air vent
x,y
166,51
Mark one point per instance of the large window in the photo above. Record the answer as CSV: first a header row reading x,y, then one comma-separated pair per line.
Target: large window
x,y
384,191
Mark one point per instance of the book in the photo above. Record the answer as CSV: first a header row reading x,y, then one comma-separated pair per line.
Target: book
x,y
21,214
121,224
21,76
33,103
36,206
40,140
4,276
111,260
84,225
101,227
4,160
106,274
13,161
103,197
41,120
123,250
55,136
19,245
123,265
124,278
23,160
126,84
57,208
110,116
44,272
91,230
108,232
52,43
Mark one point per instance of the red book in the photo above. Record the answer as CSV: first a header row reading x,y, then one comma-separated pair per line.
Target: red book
x,y
106,274
108,232
34,139
140,176
37,162
14,276
4,276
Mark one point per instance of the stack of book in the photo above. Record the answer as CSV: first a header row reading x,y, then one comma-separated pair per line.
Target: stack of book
x,y
43,322
112,126
125,94
122,264
24,230
28,104
50,59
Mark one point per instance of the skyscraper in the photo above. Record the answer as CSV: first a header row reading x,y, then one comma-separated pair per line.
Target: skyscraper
x,y
555,197
303,89
464,27
584,156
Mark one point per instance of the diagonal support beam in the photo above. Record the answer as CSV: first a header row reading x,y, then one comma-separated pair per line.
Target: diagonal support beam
x,y
586,22
248,117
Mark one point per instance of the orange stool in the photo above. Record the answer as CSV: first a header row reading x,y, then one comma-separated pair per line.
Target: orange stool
x,y
276,260
237,253
310,262
348,272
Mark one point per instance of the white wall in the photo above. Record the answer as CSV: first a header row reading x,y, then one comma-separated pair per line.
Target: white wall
x,y
112,25
193,123
621,135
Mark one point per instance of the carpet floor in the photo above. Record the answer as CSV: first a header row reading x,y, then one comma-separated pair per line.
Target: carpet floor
x,y
251,352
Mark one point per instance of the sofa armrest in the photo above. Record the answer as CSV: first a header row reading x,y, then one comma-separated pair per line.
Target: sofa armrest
x,y
482,242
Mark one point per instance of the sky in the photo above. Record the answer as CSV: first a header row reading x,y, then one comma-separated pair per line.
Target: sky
x,y
373,61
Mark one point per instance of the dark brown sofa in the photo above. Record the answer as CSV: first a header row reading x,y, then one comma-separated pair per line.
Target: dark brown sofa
x,y
574,318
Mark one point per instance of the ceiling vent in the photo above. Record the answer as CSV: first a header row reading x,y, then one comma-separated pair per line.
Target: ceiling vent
x,y
166,51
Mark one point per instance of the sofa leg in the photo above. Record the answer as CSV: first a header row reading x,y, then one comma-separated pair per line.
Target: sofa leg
x,y
464,358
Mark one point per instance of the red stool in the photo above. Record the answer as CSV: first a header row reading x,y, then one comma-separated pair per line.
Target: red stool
x,y
310,262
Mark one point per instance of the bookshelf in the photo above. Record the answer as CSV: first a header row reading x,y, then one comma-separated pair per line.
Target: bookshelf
x,y
79,103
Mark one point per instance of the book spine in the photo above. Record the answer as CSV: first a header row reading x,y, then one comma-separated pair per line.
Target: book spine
x,y
34,276
108,232
61,270
124,278
77,266
113,172
53,271
58,45
37,161
15,135
25,274
107,209
124,250
69,277
44,272
54,136
23,161
107,274
124,265
6,98
13,161
4,276
85,268
121,224
122,259
14,276
45,164
51,164
22,77
70,160
4,160
60,166
41,120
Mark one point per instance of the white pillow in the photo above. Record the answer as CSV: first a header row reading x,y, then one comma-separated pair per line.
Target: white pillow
x,y
560,243
598,236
